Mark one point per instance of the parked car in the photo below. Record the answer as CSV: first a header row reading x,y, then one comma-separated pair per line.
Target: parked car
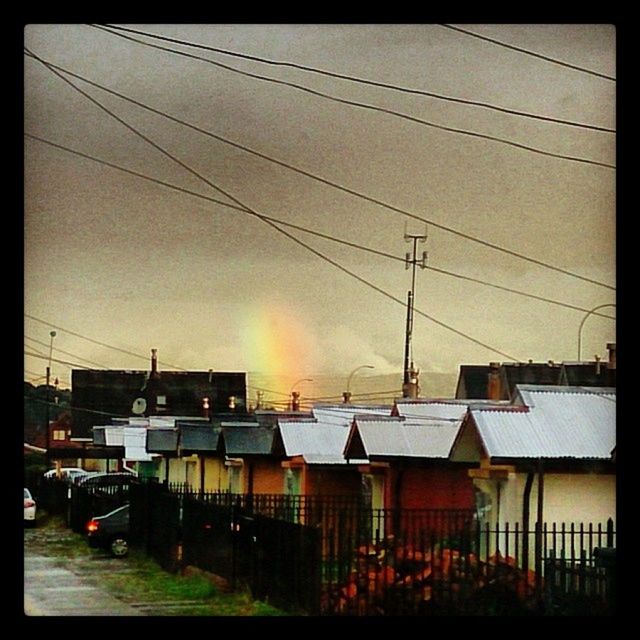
x,y
70,474
113,478
29,508
110,532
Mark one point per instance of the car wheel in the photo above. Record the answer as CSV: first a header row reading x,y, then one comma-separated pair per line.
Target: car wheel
x,y
119,547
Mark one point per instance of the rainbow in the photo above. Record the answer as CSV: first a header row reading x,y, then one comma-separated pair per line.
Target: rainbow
x,y
276,345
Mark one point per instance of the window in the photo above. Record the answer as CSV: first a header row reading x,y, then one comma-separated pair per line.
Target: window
x,y
161,401
59,434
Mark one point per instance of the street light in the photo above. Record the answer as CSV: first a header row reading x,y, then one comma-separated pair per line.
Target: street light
x,y
347,393
600,306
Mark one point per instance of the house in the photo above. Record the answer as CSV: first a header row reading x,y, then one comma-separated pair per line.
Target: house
x,y
549,456
98,394
313,447
408,456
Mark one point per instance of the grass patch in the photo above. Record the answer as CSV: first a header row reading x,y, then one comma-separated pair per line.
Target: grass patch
x,y
139,579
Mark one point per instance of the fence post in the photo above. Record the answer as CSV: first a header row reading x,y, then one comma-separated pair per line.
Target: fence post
x,y
610,533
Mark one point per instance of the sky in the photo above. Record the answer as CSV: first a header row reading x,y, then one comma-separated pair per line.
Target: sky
x,y
136,265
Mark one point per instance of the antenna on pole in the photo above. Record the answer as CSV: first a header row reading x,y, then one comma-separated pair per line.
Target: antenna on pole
x,y
410,386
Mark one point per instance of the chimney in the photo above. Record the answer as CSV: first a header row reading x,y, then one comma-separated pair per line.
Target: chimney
x,y
493,386
346,397
205,408
232,403
154,362
295,401
597,357
611,346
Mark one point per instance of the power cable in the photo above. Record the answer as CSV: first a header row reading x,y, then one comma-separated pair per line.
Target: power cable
x,y
73,355
112,29
398,114
261,217
102,344
311,231
331,183
530,53
69,364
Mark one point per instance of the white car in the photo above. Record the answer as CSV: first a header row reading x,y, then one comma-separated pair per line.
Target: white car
x,y
69,474
29,507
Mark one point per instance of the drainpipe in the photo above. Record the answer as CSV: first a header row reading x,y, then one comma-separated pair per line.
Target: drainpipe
x,y
540,519
398,499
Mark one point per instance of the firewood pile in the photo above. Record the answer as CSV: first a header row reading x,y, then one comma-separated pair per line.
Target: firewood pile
x,y
399,579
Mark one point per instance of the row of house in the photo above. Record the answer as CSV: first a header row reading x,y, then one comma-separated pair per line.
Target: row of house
x,y
549,451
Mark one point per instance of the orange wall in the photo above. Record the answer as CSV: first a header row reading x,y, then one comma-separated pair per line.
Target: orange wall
x,y
435,487
268,476
334,480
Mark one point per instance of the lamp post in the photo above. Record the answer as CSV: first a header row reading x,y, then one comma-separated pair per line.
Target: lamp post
x,y
347,394
600,306
295,395
47,399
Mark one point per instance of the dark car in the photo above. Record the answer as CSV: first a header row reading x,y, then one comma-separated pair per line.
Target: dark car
x,y
110,532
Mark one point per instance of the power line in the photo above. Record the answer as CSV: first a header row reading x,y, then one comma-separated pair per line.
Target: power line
x,y
404,116
271,224
530,53
102,344
311,231
73,355
69,364
475,103
330,182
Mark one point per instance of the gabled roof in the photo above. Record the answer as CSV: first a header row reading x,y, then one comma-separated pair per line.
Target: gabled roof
x,y
199,439
436,409
243,440
399,437
342,414
319,440
553,422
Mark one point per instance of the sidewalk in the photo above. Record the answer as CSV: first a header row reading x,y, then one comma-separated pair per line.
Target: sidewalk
x,y
51,590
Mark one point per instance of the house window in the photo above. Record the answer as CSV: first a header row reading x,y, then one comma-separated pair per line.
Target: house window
x,y
59,434
161,401
190,473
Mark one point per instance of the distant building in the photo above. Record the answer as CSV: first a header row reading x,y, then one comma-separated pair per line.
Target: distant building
x,y
98,396
497,381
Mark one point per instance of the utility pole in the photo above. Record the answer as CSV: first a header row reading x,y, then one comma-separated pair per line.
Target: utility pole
x,y
52,334
410,386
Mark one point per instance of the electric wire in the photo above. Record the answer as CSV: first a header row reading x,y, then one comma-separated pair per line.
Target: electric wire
x,y
404,116
261,217
72,408
65,362
311,231
112,29
67,353
528,52
102,344
328,182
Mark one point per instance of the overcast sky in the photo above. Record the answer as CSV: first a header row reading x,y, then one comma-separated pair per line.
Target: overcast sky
x,y
136,265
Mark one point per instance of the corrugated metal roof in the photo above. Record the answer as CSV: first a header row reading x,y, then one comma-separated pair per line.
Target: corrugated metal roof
x,y
433,410
247,440
135,440
414,438
199,438
342,414
562,422
162,440
318,458
304,438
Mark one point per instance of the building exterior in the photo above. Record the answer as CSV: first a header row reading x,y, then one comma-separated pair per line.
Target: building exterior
x,y
549,456
98,395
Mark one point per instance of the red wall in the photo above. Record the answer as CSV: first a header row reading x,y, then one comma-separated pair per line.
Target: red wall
x,y
431,487
334,481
